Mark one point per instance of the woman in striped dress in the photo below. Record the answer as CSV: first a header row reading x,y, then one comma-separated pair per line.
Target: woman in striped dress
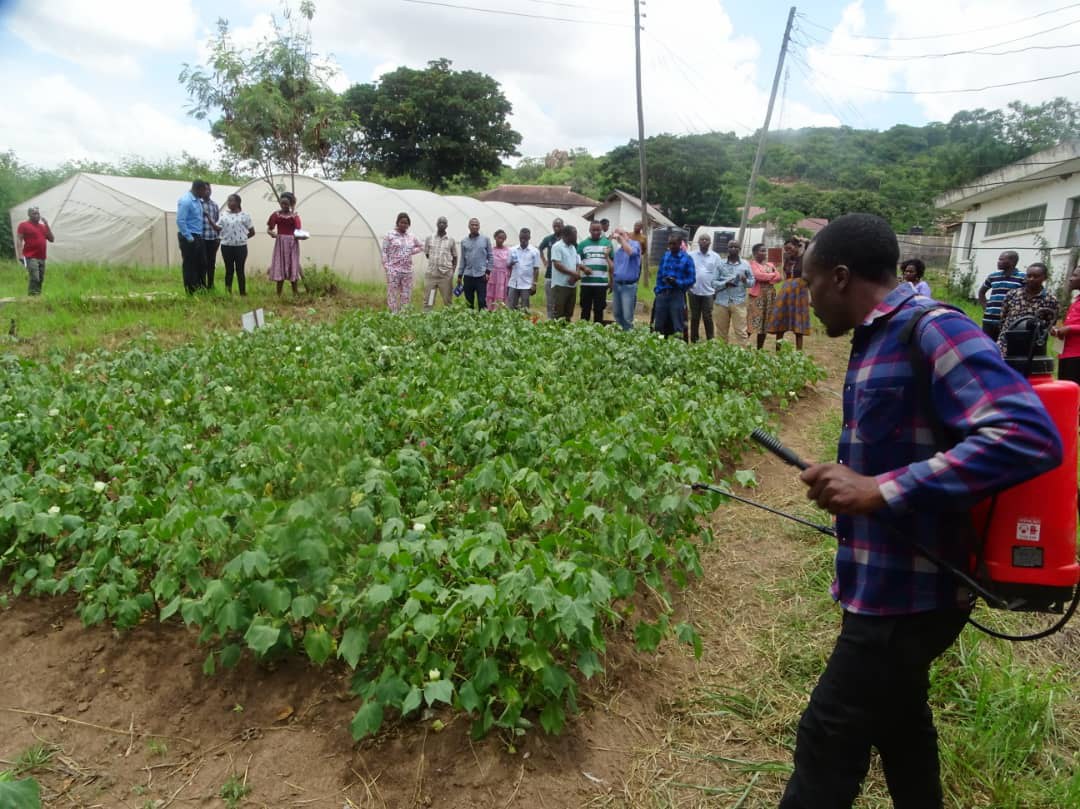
x,y
792,309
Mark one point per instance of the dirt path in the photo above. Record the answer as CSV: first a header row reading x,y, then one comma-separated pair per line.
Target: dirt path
x,y
131,721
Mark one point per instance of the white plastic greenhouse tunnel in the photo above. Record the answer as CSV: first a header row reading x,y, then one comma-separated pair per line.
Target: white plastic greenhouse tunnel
x,y
348,219
132,220
112,220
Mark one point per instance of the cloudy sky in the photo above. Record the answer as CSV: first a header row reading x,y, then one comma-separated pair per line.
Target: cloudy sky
x,y
99,80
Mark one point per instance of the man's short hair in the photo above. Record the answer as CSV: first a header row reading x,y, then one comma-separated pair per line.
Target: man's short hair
x,y
864,243
917,263
33,209
1013,255
1040,265
199,185
605,221
756,246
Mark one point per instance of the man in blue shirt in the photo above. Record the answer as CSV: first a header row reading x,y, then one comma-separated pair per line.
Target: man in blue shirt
x,y
477,259
734,278
190,220
627,272
895,485
675,275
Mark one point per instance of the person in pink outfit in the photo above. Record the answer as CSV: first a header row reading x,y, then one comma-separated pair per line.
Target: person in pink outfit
x,y
398,248
762,294
499,281
282,226
1069,331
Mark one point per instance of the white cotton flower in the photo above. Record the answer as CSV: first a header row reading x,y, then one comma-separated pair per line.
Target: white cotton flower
x,y
418,526
20,415
54,413
167,402
99,486
227,388
433,675
297,349
189,446
54,509
62,469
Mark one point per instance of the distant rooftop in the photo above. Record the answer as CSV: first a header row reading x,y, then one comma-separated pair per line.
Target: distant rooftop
x,y
546,196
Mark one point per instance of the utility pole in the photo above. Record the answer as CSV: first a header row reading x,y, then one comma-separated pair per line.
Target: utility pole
x,y
641,140
765,129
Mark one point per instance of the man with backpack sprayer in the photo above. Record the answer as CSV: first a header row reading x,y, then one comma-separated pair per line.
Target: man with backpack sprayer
x,y
900,611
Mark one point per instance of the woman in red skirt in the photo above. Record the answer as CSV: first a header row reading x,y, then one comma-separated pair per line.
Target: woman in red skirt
x,y
282,225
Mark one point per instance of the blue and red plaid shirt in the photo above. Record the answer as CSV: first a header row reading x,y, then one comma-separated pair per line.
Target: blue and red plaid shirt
x,y
1005,438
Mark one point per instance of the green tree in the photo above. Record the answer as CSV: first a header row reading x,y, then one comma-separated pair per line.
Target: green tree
x,y
270,107
686,176
436,124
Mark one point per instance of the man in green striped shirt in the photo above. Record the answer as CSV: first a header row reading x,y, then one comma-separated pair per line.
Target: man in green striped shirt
x,y
595,253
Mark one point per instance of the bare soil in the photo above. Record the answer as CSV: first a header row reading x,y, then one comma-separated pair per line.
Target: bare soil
x,y
133,722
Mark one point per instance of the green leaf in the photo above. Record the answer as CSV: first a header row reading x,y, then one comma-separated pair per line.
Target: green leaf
x,y
170,609
555,680
589,664
318,644
687,634
379,594
552,718
412,701
648,636
439,691
487,674
746,477
426,624
24,794
478,594
261,637
353,644
367,720
468,698
303,607
230,655
208,665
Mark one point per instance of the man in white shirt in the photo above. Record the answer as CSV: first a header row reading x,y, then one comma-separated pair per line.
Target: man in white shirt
x,y
442,256
524,272
565,273
706,267
734,277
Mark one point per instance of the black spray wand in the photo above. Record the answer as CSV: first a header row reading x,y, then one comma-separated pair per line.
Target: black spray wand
x,y
774,446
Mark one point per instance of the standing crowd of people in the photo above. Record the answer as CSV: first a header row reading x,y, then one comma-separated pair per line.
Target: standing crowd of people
x,y
202,227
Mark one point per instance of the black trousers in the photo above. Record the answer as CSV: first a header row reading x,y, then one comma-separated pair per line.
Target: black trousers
x,y
701,309
593,302
475,289
234,257
873,694
1069,369
211,260
193,257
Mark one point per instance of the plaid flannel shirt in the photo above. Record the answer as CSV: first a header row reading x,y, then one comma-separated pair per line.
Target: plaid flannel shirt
x,y
680,268
1006,438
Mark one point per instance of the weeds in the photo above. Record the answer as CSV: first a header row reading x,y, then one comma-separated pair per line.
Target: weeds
x,y
234,790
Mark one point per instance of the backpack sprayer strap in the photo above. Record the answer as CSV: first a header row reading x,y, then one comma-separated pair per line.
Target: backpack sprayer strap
x,y
943,440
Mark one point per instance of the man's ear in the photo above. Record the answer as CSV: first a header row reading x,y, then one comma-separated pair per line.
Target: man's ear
x,y
841,277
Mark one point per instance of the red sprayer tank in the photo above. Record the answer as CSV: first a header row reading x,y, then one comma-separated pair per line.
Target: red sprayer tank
x,y
1030,549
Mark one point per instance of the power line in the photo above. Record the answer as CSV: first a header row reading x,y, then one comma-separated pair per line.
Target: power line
x,y
516,13
949,92
944,36
806,70
981,51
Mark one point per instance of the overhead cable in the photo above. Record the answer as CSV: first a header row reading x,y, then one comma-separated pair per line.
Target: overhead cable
x,y
943,36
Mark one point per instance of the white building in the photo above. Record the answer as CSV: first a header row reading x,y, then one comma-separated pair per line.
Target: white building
x,y
1029,206
622,210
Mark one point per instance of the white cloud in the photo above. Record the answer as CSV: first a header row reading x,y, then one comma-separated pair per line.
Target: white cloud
x,y
959,25
570,91
71,124
106,40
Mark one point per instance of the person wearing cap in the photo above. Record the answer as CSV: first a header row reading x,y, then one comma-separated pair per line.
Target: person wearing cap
x,y
31,238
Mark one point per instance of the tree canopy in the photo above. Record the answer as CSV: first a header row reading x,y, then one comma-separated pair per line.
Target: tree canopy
x,y
436,124
270,106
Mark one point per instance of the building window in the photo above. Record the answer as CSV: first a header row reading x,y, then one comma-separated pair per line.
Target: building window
x,y
1072,235
1017,220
